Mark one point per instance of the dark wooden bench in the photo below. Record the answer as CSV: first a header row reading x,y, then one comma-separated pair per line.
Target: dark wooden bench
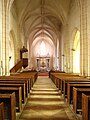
x,y
65,83
18,95
67,79
9,106
31,75
77,98
70,90
28,76
17,80
55,77
58,79
1,111
85,107
54,71
10,81
16,85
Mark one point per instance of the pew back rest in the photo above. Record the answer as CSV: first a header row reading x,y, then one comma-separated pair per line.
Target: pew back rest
x,y
1,111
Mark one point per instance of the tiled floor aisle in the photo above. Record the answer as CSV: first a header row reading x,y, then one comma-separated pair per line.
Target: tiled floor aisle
x,y
45,102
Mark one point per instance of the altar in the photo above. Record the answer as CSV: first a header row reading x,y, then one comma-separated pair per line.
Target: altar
x,y
43,64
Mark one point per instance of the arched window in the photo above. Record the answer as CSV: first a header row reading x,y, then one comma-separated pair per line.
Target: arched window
x,y
11,49
43,51
76,53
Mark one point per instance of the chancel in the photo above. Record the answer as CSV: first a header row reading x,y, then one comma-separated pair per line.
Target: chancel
x,y
44,59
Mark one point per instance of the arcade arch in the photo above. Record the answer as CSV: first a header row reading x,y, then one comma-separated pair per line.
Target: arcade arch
x,y
76,53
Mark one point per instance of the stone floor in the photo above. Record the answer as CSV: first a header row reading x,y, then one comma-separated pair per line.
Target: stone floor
x,y
46,103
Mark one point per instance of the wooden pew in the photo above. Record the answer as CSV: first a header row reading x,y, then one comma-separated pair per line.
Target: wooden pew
x,y
77,98
69,78
85,107
65,83
53,73
9,106
55,76
58,79
16,81
28,76
18,95
70,90
21,78
26,80
16,85
32,75
1,111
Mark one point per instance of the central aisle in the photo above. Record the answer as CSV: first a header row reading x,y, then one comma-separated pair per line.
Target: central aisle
x,y
45,102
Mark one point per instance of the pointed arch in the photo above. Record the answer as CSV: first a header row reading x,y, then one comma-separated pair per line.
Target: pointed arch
x,y
11,49
76,52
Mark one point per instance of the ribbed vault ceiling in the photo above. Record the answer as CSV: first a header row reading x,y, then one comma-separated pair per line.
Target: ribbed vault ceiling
x,y
41,17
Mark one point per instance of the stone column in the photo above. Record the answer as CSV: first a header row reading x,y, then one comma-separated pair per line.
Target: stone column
x,y
1,38
5,39
83,38
88,34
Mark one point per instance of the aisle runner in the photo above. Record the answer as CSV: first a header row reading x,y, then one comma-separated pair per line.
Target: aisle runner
x,y
46,103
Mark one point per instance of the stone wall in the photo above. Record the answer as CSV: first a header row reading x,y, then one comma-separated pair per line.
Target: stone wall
x,y
14,27
68,33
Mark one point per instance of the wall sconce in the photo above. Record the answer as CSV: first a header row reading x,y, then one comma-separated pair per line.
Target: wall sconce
x,y
10,58
73,49
63,55
1,64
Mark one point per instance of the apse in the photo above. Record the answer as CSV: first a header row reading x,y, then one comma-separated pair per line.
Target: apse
x,y
42,47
